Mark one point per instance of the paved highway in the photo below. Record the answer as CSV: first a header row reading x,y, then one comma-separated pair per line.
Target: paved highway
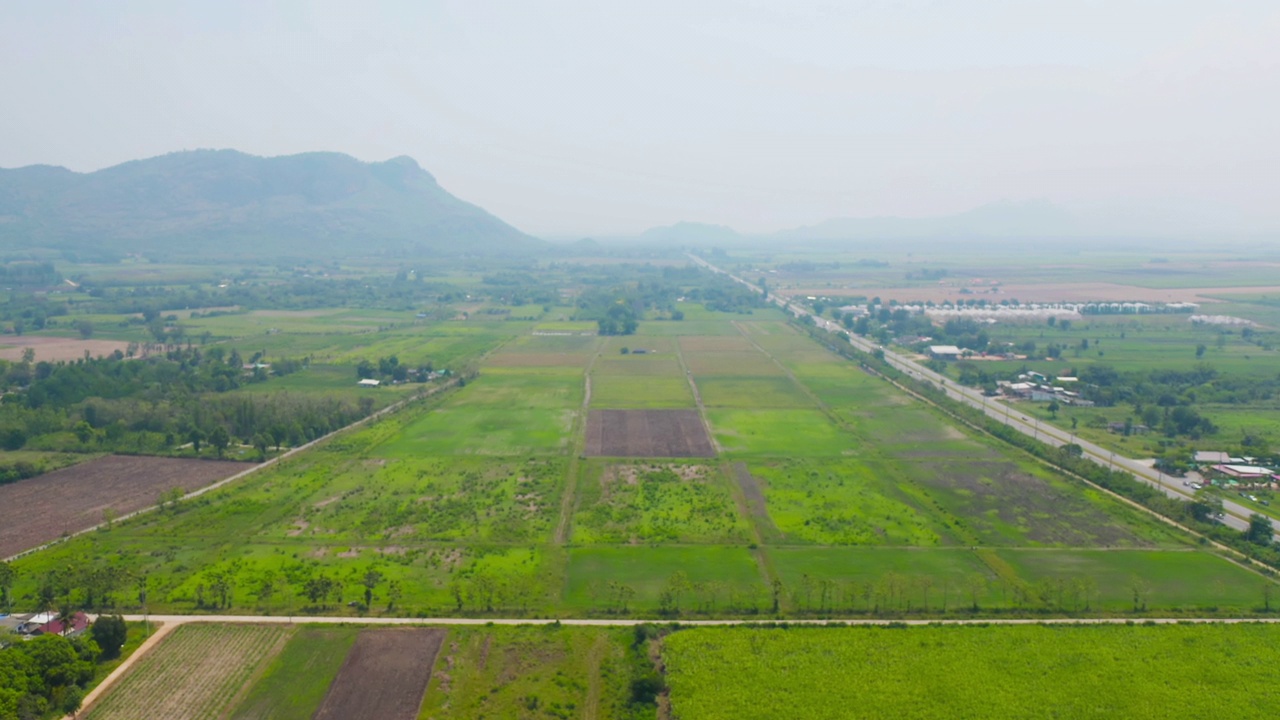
x,y
1235,515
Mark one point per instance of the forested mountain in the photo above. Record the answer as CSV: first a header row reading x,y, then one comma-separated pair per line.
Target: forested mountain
x,y
223,203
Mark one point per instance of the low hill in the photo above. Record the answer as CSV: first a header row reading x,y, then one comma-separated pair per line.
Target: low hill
x,y
224,203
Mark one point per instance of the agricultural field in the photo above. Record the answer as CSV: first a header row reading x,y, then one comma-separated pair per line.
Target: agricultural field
x,y
535,672
384,676
1131,671
724,465
297,680
633,503
647,433
199,671
42,509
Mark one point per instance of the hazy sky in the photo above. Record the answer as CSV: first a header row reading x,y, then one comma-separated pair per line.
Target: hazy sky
x,y
589,117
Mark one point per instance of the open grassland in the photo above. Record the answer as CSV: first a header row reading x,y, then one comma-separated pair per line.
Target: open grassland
x,y
197,672
628,503
1189,671
296,681
532,672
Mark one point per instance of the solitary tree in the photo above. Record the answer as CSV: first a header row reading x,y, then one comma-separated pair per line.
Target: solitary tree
x,y
110,632
219,439
370,581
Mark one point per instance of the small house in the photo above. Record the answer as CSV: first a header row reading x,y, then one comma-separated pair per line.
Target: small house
x,y
368,382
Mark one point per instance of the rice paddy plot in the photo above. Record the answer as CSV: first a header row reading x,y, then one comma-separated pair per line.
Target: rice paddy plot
x,y
752,392
458,429
779,433
634,392
750,363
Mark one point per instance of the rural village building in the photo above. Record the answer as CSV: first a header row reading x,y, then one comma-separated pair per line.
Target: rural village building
x,y
944,352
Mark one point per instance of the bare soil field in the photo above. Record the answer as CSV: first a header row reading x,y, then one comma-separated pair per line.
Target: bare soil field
x,y
1038,292
384,676
40,509
53,349
647,433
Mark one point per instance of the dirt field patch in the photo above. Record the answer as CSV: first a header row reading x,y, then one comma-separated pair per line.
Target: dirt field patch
x,y
39,510
384,676
52,349
647,433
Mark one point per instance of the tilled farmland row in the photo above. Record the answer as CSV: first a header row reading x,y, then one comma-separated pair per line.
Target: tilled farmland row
x,y
384,677
43,508
195,674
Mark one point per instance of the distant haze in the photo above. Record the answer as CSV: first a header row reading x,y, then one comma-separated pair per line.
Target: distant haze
x,y
581,118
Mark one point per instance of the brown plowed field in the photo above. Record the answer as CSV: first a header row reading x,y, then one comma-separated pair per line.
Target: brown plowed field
x,y
41,509
384,676
647,433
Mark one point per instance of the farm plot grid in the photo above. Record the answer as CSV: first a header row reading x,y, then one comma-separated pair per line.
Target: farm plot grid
x,y
41,509
647,433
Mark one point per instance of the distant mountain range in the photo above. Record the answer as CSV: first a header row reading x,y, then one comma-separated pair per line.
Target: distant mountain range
x,y
1012,221
224,203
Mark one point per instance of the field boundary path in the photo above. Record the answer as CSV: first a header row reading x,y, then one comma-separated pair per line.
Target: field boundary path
x,y
568,499
146,646
697,398
255,468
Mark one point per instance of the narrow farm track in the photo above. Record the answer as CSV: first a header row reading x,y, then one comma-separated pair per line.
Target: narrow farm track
x,y
568,498
697,398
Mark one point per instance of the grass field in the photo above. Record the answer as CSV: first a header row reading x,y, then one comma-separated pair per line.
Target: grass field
x,y
649,503
532,672
1191,671
297,679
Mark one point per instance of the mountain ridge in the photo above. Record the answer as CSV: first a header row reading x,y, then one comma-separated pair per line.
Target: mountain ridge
x,y
202,202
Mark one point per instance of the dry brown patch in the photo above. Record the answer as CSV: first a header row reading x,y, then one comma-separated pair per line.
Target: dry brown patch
x,y
384,676
53,349
41,509
647,433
